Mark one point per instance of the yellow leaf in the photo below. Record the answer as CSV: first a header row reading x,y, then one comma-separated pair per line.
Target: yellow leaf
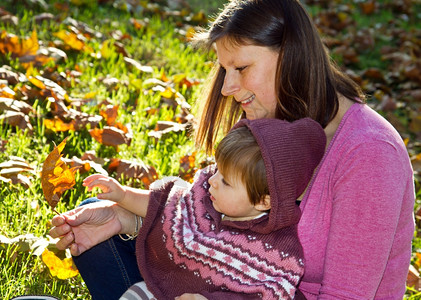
x,y
62,269
168,93
70,39
107,49
30,46
90,95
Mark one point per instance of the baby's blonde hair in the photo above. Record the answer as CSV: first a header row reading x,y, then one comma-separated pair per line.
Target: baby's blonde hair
x,y
238,156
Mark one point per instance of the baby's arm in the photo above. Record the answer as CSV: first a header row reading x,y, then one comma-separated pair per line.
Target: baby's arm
x,y
134,200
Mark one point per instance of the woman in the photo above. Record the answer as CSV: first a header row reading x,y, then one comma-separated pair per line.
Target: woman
x,y
357,213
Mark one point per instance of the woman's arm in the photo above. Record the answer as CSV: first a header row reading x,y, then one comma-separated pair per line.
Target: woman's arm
x,y
371,224
90,224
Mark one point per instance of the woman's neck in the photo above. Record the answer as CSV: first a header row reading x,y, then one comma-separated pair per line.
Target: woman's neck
x,y
330,129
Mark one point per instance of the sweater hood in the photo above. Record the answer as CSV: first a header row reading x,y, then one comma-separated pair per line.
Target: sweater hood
x,y
291,152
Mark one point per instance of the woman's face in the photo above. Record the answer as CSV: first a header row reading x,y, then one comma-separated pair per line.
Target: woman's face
x,y
250,77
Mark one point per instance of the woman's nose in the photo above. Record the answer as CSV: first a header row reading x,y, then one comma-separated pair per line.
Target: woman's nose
x,y
231,84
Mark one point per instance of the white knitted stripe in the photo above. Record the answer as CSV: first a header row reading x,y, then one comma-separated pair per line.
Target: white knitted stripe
x,y
138,291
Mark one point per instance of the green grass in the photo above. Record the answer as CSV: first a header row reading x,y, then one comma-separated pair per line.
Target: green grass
x,y
161,45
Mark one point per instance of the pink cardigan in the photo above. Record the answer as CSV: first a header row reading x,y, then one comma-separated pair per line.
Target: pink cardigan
x,y
357,217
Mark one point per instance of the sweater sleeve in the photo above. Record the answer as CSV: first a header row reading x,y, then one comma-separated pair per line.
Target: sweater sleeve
x,y
369,216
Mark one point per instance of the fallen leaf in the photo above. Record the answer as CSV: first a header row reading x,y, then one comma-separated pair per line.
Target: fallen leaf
x,y
10,43
138,65
85,165
413,278
16,171
15,118
110,136
110,114
368,8
22,243
56,177
165,127
62,269
73,40
187,167
15,105
57,124
133,170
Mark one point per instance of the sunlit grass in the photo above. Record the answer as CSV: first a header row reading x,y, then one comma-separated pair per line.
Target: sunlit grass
x,y
159,45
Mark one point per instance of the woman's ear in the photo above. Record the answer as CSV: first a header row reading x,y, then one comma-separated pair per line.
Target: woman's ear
x,y
264,204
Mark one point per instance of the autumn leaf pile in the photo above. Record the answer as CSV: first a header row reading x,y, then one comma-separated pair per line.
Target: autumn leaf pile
x,y
108,86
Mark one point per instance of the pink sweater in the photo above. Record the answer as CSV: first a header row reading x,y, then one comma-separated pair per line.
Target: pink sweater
x,y
357,217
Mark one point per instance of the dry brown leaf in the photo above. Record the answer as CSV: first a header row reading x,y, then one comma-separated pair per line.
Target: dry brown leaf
x,y
110,136
15,105
84,165
110,114
368,7
164,127
187,167
12,77
7,92
56,177
16,171
413,278
133,170
3,144
18,119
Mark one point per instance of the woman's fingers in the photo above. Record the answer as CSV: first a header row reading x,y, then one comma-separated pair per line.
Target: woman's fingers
x,y
65,241
59,231
58,220
75,250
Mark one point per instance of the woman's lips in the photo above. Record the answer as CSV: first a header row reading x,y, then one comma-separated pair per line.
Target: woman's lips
x,y
248,100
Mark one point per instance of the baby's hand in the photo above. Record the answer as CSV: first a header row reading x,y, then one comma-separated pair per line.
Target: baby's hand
x,y
111,188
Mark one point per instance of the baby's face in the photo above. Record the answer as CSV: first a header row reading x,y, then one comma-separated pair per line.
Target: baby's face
x,y
229,197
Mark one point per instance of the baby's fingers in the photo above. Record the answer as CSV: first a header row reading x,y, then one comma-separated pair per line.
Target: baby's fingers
x,y
93,177
105,184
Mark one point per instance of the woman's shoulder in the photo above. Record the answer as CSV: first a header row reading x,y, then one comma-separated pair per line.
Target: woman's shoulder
x,y
366,139
363,125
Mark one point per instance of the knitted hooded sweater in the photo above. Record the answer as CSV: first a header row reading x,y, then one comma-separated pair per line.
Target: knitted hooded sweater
x,y
185,246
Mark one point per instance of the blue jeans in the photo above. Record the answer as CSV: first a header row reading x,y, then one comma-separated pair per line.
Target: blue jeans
x,y
110,267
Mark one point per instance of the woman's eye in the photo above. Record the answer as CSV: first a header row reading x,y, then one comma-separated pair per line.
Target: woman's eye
x,y
240,69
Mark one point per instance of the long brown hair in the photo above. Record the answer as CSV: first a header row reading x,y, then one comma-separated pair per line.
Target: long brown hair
x,y
308,82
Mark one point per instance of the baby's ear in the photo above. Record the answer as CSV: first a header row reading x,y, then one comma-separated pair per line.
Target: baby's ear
x,y
264,204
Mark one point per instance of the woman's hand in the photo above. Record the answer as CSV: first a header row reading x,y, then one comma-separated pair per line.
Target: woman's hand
x,y
187,296
111,188
86,226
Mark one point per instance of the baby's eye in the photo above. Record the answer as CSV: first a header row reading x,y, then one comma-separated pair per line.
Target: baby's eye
x,y
224,182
